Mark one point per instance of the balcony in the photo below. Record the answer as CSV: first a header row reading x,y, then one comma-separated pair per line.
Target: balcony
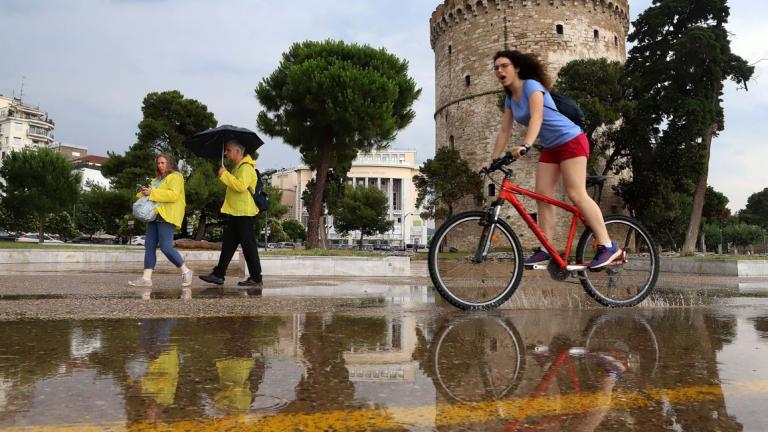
x,y
35,132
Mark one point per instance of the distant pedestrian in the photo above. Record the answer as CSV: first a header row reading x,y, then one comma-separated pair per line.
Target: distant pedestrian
x,y
167,191
240,208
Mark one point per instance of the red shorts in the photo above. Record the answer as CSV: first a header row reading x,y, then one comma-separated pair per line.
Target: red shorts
x,y
576,147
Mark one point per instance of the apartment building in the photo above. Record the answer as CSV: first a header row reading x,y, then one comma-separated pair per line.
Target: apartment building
x,y
22,126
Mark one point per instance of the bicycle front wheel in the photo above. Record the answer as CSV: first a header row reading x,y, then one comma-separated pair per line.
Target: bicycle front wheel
x,y
624,283
464,280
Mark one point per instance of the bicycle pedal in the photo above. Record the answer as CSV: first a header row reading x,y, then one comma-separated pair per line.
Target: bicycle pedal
x,y
576,267
535,266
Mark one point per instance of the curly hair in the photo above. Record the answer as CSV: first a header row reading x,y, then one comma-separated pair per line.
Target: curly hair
x,y
529,67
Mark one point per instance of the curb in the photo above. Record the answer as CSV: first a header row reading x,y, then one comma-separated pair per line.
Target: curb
x,y
38,260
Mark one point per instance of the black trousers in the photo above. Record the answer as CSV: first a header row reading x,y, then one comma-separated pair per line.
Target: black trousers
x,y
239,231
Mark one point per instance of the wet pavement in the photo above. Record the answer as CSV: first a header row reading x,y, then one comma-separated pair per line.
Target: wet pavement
x,y
84,352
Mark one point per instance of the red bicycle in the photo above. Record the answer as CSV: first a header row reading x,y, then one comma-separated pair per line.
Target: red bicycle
x,y
476,260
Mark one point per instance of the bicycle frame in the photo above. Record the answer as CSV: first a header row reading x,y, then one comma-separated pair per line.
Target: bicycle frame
x,y
508,193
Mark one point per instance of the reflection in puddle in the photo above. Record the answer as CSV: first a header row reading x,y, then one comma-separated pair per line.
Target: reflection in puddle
x,y
569,370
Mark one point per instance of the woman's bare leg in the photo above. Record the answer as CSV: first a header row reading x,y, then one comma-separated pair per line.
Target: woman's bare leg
x,y
574,173
547,178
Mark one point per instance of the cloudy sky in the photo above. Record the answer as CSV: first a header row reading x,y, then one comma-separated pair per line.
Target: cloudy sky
x,y
89,64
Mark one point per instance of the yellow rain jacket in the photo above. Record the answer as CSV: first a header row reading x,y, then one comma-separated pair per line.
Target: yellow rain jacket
x,y
241,184
170,199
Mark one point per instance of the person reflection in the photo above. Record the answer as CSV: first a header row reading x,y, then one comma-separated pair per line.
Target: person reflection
x,y
241,367
153,373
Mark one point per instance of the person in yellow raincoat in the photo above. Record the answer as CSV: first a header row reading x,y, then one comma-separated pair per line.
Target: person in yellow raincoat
x,y
240,208
167,191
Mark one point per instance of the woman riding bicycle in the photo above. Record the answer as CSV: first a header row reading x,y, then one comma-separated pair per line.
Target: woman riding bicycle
x,y
565,148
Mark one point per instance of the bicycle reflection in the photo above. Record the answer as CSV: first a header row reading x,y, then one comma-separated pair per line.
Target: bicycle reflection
x,y
483,358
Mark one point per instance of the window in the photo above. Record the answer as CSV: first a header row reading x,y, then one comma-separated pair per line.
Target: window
x,y
596,34
450,49
77,154
450,142
559,29
467,80
615,40
397,194
491,190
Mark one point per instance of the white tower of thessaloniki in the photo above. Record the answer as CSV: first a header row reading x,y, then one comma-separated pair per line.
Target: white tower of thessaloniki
x,y
465,34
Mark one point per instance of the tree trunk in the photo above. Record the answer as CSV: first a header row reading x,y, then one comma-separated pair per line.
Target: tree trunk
x,y
361,239
702,242
41,228
316,209
201,223
698,197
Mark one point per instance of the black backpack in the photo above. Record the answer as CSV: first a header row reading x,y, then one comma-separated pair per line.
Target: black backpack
x,y
260,197
569,108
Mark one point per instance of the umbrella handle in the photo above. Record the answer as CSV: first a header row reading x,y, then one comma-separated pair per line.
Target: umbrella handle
x,y
222,155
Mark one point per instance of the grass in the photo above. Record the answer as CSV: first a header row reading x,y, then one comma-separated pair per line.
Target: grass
x,y
320,252
719,257
62,246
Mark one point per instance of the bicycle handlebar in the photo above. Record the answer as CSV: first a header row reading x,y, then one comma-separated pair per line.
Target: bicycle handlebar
x,y
502,161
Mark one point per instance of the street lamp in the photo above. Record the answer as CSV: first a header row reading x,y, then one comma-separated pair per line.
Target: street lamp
x,y
402,227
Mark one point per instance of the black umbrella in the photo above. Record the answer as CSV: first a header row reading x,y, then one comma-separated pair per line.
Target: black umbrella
x,y
209,143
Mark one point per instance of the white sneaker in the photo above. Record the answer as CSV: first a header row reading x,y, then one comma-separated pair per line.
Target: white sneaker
x,y
186,278
140,282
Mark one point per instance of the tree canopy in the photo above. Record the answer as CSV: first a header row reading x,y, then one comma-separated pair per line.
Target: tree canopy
x,y
169,118
598,87
330,100
362,209
675,73
443,182
38,182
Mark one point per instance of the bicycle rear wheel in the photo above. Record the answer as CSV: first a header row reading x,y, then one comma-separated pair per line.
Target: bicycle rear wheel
x,y
626,282
459,277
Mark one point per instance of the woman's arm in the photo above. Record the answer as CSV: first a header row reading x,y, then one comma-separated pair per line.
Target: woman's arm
x,y
536,106
507,121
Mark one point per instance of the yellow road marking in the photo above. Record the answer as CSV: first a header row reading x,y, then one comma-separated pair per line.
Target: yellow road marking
x,y
426,416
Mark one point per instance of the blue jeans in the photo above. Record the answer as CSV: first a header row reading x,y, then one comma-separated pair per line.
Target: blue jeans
x,y
160,232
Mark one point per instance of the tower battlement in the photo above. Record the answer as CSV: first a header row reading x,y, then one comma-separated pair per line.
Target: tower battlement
x,y
454,11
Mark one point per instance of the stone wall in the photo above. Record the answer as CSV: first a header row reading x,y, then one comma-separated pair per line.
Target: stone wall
x,y
465,35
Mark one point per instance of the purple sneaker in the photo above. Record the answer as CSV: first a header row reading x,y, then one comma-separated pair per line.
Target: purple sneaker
x,y
540,257
605,255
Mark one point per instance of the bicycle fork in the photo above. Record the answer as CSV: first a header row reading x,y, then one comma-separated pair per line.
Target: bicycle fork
x,y
489,227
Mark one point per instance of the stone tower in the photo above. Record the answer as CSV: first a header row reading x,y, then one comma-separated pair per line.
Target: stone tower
x,y
465,34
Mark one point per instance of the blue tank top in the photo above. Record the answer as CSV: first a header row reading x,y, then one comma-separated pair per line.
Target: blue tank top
x,y
556,129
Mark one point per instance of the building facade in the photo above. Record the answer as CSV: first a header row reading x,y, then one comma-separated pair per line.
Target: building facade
x,y
22,126
466,34
391,171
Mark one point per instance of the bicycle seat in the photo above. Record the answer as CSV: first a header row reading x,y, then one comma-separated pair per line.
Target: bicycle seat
x,y
595,180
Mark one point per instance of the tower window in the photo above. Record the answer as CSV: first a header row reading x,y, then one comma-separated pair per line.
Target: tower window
x,y
450,49
559,29
451,142
491,190
596,34
615,41
467,80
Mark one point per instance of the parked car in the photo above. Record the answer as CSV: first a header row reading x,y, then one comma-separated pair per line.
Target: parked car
x,y
33,238
138,240
287,245
6,236
81,239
